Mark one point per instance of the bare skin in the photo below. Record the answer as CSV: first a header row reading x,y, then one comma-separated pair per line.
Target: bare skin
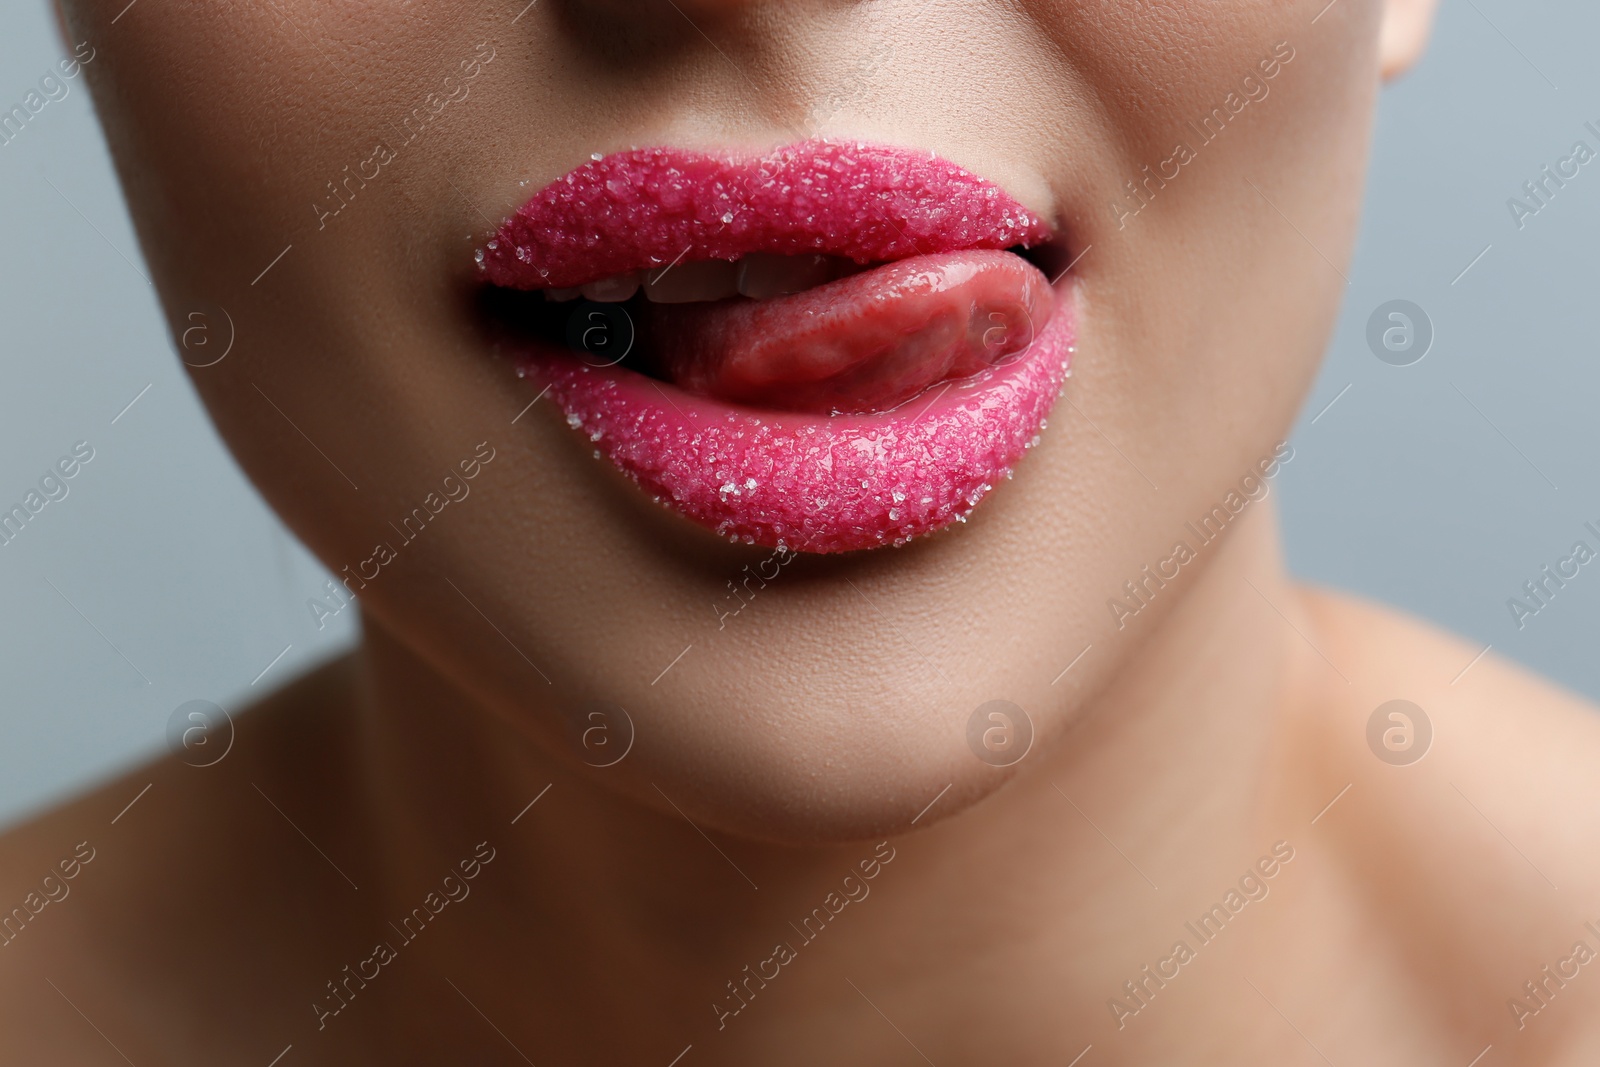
x,y
810,762
1413,907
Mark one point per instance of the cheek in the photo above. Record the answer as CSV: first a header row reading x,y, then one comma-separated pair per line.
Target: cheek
x,y
227,128
1218,291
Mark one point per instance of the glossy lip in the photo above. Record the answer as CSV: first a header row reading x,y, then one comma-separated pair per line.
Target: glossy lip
x,y
807,482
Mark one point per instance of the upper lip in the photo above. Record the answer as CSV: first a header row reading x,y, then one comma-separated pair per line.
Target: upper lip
x,y
652,208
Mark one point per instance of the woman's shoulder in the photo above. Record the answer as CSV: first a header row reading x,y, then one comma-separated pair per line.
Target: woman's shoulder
x,y
302,724
175,870
1458,791
1472,704
1506,754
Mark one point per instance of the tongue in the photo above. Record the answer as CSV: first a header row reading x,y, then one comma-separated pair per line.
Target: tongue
x,y
864,343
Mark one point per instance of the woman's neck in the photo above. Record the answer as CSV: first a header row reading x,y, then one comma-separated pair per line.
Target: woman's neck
x,y
1167,781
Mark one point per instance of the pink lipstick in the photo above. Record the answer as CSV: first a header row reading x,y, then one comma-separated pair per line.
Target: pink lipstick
x,y
829,346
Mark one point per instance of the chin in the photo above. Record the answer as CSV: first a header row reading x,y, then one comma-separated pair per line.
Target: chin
x,y
747,747
825,778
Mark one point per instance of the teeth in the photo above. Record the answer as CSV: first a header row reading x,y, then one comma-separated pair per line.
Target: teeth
x,y
612,290
763,275
712,279
759,276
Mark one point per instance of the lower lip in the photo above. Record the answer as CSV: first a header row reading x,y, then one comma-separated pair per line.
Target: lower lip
x,y
816,483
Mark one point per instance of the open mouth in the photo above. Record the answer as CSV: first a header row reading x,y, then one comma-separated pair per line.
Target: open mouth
x,y
829,347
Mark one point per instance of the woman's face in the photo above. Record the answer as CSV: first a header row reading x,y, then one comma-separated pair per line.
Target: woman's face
x,y
1198,164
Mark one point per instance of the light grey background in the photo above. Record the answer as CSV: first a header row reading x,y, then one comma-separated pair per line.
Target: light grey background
x,y
162,578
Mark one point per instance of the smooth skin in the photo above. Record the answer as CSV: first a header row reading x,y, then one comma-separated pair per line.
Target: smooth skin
x,y
826,726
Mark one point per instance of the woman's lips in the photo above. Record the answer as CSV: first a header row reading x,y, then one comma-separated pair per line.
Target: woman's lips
x,y
863,411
